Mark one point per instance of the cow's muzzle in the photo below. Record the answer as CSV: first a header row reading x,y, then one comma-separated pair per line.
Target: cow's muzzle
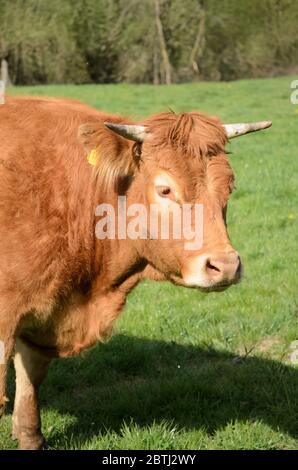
x,y
213,271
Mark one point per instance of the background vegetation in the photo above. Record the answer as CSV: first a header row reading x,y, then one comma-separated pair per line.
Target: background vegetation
x,y
151,41
185,370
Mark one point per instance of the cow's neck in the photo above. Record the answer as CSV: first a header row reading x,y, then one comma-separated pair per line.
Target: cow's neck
x,y
118,262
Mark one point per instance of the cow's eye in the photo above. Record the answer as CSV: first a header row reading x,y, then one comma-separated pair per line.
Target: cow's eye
x,y
164,191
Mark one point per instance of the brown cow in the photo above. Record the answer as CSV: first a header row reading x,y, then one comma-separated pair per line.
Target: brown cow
x,y
61,288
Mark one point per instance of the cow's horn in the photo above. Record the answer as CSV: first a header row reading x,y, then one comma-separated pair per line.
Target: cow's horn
x,y
129,131
234,130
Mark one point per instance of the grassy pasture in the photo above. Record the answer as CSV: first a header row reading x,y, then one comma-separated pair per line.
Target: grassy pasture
x,y
185,369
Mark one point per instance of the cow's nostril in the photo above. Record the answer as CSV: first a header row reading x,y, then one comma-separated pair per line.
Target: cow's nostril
x,y
212,267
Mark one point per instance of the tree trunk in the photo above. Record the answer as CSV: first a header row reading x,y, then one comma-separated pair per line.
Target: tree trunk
x,y
199,43
162,43
155,64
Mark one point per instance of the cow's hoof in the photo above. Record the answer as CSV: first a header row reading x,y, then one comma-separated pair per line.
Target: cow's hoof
x,y
36,442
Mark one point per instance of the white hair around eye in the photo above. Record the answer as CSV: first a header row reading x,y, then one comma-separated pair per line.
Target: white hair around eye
x,y
166,189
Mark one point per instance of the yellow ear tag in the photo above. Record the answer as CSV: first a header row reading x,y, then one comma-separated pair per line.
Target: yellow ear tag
x,y
93,157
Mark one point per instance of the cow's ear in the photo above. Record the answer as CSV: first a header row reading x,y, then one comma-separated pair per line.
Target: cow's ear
x,y
87,133
114,157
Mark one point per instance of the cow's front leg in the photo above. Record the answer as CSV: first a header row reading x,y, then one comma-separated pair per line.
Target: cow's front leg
x,y
7,339
31,368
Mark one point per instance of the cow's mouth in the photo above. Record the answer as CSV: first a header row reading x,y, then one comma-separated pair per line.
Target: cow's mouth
x,y
220,287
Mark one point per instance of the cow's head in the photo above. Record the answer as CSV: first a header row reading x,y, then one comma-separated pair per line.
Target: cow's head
x,y
179,162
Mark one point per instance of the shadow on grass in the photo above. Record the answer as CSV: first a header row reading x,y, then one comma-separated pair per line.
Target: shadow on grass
x,y
151,381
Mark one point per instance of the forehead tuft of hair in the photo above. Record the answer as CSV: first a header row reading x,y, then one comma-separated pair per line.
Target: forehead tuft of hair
x,y
193,133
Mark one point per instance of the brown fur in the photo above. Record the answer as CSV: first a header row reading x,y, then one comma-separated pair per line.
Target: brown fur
x,y
60,288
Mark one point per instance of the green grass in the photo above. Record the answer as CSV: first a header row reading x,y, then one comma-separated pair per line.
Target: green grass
x,y
184,369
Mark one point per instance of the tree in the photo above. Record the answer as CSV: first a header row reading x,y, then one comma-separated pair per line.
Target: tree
x,y
162,43
153,41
